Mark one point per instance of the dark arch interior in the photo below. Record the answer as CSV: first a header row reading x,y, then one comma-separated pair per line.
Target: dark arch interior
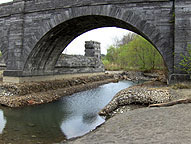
x,y
47,51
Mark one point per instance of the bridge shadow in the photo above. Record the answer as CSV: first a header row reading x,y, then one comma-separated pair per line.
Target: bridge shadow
x,y
39,123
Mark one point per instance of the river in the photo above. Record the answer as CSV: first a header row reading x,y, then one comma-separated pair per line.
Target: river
x,y
70,117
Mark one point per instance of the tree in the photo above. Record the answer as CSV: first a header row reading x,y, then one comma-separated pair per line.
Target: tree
x,y
144,54
133,51
127,38
124,41
111,54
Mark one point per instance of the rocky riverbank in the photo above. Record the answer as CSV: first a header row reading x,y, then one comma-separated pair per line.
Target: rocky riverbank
x,y
18,95
153,90
141,76
33,93
139,94
142,124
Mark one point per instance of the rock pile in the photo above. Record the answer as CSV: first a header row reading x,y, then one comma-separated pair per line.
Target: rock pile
x,y
34,87
17,95
137,95
141,76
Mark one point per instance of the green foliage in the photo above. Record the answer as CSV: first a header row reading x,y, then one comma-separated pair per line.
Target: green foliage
x,y
111,54
185,63
105,62
136,54
110,66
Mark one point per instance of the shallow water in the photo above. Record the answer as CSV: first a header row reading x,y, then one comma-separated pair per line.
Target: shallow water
x,y
69,117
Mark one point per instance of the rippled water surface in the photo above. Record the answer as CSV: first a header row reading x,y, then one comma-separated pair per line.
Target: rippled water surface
x,y
69,117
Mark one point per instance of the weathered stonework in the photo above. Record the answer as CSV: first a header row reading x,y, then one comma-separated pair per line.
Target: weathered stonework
x,y
35,32
91,62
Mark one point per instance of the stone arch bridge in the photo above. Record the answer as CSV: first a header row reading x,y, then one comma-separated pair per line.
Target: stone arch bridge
x,y
33,33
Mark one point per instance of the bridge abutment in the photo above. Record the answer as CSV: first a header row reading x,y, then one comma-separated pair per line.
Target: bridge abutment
x,y
15,36
68,66
182,39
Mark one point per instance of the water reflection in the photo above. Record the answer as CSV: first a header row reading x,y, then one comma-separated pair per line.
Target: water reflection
x,y
70,117
2,121
39,123
89,118
80,125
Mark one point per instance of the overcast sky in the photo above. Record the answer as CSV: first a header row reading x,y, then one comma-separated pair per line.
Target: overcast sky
x,y
4,1
105,36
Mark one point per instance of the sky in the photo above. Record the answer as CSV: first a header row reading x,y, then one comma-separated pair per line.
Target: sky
x,y
106,36
4,1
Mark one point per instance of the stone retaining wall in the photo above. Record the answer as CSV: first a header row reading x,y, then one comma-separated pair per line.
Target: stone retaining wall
x,y
70,64
91,62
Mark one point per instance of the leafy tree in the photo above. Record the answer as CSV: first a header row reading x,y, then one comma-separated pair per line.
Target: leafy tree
x,y
134,51
127,38
111,54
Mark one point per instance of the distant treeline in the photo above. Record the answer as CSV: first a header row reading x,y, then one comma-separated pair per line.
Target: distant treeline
x,y
132,52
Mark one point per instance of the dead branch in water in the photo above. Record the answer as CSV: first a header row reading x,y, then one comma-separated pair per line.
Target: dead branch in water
x,y
180,101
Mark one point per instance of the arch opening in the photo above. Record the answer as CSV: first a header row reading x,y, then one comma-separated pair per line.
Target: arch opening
x,y
45,54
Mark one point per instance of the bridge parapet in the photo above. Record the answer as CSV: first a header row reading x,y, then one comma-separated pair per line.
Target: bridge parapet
x,y
44,5
31,6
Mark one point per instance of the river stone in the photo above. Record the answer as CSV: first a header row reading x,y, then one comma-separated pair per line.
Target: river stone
x,y
137,95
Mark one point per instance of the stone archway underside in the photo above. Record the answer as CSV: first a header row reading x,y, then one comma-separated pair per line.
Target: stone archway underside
x,y
37,33
46,52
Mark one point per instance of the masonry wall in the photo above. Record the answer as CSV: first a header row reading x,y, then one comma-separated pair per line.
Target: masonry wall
x,y
182,31
25,22
90,62
78,64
